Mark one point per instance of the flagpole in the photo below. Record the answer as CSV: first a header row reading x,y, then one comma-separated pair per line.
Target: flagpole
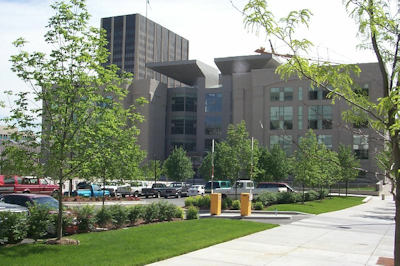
x,y
212,166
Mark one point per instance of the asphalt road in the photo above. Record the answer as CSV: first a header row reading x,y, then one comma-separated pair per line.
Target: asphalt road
x,y
178,202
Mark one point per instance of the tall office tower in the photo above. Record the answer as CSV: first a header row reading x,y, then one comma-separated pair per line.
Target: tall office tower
x,y
134,40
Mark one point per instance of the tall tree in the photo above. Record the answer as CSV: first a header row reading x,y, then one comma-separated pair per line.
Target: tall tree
x,y
379,28
178,166
349,165
70,83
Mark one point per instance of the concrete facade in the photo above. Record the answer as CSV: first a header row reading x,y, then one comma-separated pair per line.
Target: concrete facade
x,y
248,89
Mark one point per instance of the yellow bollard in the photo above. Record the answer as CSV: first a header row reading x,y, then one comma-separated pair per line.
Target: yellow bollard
x,y
215,208
245,204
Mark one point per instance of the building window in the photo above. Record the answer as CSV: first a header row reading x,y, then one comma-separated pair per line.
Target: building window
x,y
362,90
184,102
186,144
178,102
325,139
184,125
213,125
281,94
300,94
281,117
300,117
285,141
317,93
360,146
213,102
320,117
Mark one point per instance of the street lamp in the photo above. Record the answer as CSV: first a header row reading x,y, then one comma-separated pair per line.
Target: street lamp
x,y
194,168
155,169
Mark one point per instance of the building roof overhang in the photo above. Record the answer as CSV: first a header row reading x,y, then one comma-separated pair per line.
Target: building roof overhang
x,y
244,64
186,71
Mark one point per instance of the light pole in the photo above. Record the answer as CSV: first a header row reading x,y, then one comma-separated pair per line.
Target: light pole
x,y
194,168
155,169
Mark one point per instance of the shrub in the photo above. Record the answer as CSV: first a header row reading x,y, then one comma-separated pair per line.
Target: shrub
x,y
323,193
103,217
135,213
151,212
258,205
119,215
311,195
224,204
267,198
288,197
86,218
192,213
179,213
170,211
204,201
39,220
190,201
13,226
162,213
228,202
236,205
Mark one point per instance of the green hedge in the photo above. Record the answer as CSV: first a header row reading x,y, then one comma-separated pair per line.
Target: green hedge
x,y
271,198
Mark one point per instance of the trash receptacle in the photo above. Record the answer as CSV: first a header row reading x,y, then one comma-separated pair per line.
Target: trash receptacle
x,y
383,196
215,208
245,204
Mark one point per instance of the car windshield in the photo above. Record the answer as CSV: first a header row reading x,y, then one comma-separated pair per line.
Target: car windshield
x,y
49,201
195,187
175,185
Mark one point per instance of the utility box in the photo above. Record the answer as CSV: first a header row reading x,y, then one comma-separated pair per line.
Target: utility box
x,y
245,204
215,208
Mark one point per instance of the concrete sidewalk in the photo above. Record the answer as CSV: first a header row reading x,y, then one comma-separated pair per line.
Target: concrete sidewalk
x,y
356,236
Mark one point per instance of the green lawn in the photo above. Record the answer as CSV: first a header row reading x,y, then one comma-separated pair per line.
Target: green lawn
x,y
134,246
318,207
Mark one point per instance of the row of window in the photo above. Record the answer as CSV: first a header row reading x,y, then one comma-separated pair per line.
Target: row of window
x,y
360,143
287,93
319,117
187,125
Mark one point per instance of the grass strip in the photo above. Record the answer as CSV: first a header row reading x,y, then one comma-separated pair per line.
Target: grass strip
x,y
318,207
134,246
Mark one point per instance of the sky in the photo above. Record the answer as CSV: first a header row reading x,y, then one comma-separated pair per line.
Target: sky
x,y
214,29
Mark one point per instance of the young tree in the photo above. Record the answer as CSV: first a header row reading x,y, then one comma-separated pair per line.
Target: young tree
x,y
19,160
151,170
379,28
306,163
178,166
70,83
349,165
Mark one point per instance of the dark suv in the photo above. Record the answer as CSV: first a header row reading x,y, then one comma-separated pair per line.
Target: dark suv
x,y
23,199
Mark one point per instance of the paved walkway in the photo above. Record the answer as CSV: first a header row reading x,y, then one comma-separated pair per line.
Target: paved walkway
x,y
354,236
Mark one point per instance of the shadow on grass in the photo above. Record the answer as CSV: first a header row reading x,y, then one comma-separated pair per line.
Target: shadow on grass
x,y
24,250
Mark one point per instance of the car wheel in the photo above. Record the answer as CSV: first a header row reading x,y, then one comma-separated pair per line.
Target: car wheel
x,y
136,194
158,194
147,196
179,195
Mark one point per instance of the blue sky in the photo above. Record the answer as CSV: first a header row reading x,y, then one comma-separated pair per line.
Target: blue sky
x,y
214,28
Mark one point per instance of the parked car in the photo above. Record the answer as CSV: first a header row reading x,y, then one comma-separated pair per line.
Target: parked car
x,y
137,187
24,199
247,186
17,184
91,190
195,190
217,184
154,190
177,189
4,207
117,188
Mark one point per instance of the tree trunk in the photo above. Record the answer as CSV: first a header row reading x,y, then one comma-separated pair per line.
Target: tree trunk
x,y
104,185
347,186
397,227
60,207
304,194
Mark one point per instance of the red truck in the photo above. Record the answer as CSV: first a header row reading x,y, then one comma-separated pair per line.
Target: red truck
x,y
17,184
